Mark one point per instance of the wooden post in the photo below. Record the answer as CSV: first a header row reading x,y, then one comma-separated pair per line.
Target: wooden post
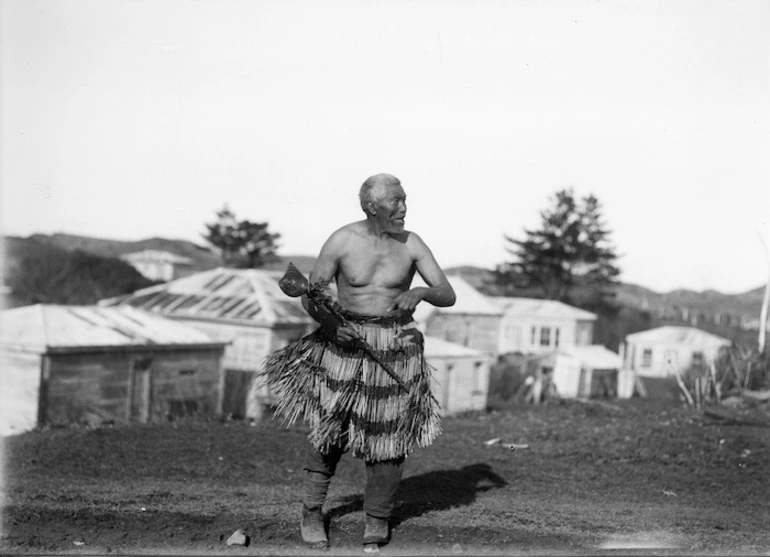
x,y
765,304
130,390
219,355
42,393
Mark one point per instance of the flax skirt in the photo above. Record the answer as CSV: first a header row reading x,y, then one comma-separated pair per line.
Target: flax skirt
x,y
348,399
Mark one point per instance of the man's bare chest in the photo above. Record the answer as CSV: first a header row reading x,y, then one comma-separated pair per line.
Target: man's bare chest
x,y
377,265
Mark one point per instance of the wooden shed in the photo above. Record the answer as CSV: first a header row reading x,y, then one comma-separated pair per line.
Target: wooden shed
x,y
64,365
583,371
473,322
243,307
461,376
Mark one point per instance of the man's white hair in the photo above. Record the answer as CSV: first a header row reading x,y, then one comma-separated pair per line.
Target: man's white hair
x,y
374,188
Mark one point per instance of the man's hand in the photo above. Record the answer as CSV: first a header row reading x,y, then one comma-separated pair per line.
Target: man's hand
x,y
408,300
346,336
343,335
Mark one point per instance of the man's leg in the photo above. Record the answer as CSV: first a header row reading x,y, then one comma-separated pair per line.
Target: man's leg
x,y
319,469
382,481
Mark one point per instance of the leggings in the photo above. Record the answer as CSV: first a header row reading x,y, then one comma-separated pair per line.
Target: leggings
x,y
382,481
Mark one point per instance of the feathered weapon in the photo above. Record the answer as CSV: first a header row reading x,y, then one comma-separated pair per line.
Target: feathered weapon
x,y
294,284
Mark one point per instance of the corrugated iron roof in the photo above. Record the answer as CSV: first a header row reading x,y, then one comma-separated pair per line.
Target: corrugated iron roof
x,y
244,295
437,348
469,300
677,335
44,326
594,356
540,308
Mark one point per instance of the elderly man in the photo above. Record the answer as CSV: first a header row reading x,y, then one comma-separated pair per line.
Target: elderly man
x,y
350,400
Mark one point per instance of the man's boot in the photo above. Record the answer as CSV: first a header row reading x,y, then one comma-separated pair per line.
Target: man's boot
x,y
312,527
376,531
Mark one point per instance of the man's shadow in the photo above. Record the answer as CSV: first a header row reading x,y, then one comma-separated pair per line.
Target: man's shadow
x,y
437,490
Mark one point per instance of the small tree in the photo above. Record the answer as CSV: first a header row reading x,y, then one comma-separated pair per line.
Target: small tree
x,y
241,244
570,250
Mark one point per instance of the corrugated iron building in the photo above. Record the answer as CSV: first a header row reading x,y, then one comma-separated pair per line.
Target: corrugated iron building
x,y
244,307
63,365
460,376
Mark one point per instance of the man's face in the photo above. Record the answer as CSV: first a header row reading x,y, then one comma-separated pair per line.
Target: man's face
x,y
391,209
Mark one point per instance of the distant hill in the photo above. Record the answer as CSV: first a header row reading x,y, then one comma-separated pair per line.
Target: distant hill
x,y
203,257
684,306
739,310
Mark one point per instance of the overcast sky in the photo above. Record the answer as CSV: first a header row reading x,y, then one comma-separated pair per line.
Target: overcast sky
x,y
130,119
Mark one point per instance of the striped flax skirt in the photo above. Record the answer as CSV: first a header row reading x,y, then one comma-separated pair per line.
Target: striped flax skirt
x,y
348,399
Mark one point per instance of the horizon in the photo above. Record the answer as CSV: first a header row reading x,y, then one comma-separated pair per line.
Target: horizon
x,y
447,268
126,119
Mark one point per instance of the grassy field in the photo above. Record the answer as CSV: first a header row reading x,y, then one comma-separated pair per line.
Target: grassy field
x,y
596,478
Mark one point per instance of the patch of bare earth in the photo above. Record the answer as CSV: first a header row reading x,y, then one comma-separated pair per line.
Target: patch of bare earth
x,y
630,476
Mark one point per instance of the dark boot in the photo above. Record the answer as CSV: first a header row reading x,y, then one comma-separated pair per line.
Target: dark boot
x,y
376,530
312,527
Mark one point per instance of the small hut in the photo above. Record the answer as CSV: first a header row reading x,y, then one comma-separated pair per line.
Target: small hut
x,y
583,371
62,365
243,307
461,376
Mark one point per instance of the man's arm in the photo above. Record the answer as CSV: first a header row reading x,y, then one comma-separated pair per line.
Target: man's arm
x,y
438,292
325,270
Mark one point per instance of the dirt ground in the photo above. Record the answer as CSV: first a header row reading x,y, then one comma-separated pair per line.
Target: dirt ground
x,y
621,477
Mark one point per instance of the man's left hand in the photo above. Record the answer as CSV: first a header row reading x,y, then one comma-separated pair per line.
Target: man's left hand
x,y
408,300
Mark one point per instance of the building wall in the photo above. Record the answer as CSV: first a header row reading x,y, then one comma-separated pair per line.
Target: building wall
x,y
242,397
155,270
566,375
656,362
136,385
460,384
584,332
530,334
19,391
249,345
479,332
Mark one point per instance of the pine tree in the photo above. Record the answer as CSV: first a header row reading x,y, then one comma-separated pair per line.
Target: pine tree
x,y
242,244
570,251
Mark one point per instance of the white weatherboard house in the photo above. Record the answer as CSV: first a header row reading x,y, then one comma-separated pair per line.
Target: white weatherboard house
x,y
460,376
159,264
244,307
531,325
664,351
62,365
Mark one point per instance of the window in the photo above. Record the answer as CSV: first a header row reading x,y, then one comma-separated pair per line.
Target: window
x,y
647,357
697,359
477,378
545,336
186,372
556,337
533,336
